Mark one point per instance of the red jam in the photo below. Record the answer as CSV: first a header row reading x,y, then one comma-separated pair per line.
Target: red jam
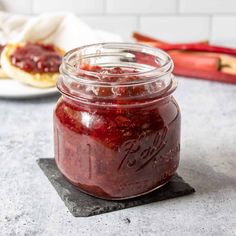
x,y
36,58
1,48
115,151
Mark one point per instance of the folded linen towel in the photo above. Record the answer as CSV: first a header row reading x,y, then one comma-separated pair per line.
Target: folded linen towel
x,y
66,30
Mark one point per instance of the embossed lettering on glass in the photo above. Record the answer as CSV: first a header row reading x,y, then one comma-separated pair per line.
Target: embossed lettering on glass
x,y
117,125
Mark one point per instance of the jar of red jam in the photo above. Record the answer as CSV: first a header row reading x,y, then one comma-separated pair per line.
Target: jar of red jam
x,y
117,125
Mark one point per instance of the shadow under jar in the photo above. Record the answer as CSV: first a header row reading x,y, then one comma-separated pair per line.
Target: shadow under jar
x,y
117,125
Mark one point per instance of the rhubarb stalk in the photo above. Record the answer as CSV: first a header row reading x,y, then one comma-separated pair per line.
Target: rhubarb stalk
x,y
210,63
196,47
204,74
143,38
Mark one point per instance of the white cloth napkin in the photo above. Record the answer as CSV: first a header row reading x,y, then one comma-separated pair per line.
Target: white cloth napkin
x,y
63,29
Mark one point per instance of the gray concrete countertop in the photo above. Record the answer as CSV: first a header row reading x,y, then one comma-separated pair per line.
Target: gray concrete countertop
x,y
29,205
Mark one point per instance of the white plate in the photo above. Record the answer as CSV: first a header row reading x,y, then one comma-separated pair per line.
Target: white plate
x,y
14,89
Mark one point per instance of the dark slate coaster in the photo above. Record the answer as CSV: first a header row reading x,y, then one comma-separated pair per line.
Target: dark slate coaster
x,y
81,204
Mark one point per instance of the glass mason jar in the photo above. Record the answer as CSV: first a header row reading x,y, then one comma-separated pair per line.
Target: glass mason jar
x,y
117,125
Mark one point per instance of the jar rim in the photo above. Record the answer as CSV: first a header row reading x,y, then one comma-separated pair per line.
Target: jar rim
x,y
66,68
150,76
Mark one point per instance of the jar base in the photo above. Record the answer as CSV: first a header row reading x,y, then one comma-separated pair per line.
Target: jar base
x,y
134,196
118,198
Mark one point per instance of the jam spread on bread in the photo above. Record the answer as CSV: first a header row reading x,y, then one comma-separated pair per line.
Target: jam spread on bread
x,y
36,58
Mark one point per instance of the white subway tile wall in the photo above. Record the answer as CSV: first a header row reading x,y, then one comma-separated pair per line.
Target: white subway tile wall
x,y
76,6
172,20
223,30
122,25
20,6
207,6
141,6
176,28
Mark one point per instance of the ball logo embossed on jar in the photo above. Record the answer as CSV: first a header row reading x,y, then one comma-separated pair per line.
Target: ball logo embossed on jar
x,y
135,156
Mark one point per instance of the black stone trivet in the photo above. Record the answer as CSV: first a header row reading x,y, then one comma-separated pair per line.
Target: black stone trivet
x,y
81,204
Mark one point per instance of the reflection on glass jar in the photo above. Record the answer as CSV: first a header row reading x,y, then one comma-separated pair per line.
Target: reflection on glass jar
x,y
117,125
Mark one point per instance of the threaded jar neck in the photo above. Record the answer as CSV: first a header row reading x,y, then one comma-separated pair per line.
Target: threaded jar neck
x,y
123,72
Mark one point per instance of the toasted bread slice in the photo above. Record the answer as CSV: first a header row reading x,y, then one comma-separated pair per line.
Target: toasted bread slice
x,y
3,75
39,80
